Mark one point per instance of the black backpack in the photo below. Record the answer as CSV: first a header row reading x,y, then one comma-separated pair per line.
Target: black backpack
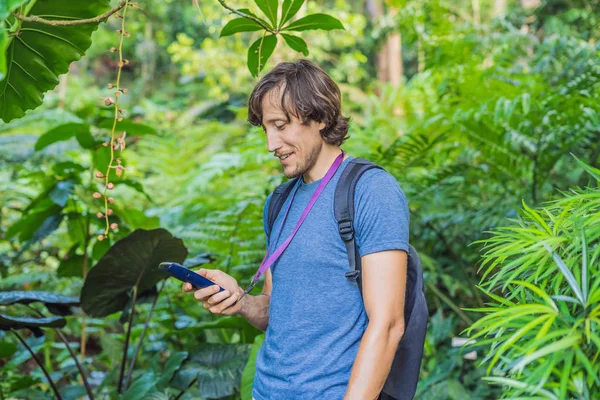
x,y
401,383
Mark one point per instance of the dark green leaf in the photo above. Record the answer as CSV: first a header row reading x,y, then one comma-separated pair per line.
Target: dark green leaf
x,y
315,21
250,369
129,262
40,53
134,185
66,132
248,12
198,260
62,191
48,226
263,47
218,368
296,43
67,169
594,172
71,267
100,248
289,9
8,322
73,392
269,8
240,25
7,6
29,225
140,388
27,297
7,349
171,366
132,128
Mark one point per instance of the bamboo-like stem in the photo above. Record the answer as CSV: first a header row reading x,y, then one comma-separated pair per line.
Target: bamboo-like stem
x,y
250,17
39,362
130,323
99,18
139,344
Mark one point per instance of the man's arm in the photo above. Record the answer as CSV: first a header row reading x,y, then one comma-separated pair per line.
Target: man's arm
x,y
256,308
384,285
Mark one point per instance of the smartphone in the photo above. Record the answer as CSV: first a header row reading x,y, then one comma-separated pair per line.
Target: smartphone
x,y
186,275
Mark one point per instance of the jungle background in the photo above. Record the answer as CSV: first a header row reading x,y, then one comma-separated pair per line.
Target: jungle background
x,y
486,112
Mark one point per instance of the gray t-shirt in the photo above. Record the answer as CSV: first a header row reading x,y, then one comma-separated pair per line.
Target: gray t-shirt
x,y
317,317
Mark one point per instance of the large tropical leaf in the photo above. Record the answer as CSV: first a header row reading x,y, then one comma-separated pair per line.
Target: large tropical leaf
x,y
217,367
56,303
130,262
6,7
40,53
7,322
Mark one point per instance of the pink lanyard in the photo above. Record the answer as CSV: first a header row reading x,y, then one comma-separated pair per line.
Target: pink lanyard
x,y
270,259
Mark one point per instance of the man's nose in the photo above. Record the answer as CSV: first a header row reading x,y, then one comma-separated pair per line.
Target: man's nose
x,y
273,140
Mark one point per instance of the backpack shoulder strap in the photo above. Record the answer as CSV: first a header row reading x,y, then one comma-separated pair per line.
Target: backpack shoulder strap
x,y
280,194
344,211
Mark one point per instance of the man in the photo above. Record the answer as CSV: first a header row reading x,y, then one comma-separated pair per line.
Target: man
x,y
321,341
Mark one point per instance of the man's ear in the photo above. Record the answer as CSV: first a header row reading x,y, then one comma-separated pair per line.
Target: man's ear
x,y
322,125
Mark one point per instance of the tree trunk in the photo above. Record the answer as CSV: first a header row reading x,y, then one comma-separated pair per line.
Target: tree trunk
x,y
499,9
476,12
389,57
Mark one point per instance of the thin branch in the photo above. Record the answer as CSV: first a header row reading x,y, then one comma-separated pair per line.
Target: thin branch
x,y
99,18
139,344
124,359
79,367
39,362
250,17
185,390
73,356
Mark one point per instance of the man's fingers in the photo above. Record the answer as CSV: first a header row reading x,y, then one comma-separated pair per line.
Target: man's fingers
x,y
205,293
225,304
187,287
217,298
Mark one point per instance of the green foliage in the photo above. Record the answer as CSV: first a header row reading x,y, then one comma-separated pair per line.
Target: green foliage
x,y
39,53
543,323
216,369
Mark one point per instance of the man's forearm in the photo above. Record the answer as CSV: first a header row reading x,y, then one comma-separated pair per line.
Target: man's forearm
x,y
256,310
373,361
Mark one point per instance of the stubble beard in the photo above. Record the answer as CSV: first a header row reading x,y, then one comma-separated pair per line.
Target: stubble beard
x,y
305,165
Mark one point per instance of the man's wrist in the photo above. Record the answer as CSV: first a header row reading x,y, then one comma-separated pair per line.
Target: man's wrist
x,y
243,299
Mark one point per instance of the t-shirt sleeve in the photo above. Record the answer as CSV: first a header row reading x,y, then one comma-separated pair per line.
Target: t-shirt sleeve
x,y
265,216
381,213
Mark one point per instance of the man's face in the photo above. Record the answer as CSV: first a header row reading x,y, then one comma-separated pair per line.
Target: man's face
x,y
297,146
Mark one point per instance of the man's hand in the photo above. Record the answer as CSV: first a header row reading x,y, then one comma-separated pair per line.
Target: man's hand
x,y
224,302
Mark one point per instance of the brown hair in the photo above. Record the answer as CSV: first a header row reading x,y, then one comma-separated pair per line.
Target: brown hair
x,y
308,94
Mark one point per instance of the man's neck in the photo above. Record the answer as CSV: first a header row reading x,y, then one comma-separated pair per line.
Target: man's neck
x,y
328,155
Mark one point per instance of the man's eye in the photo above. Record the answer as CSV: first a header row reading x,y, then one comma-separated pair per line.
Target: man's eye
x,y
280,127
